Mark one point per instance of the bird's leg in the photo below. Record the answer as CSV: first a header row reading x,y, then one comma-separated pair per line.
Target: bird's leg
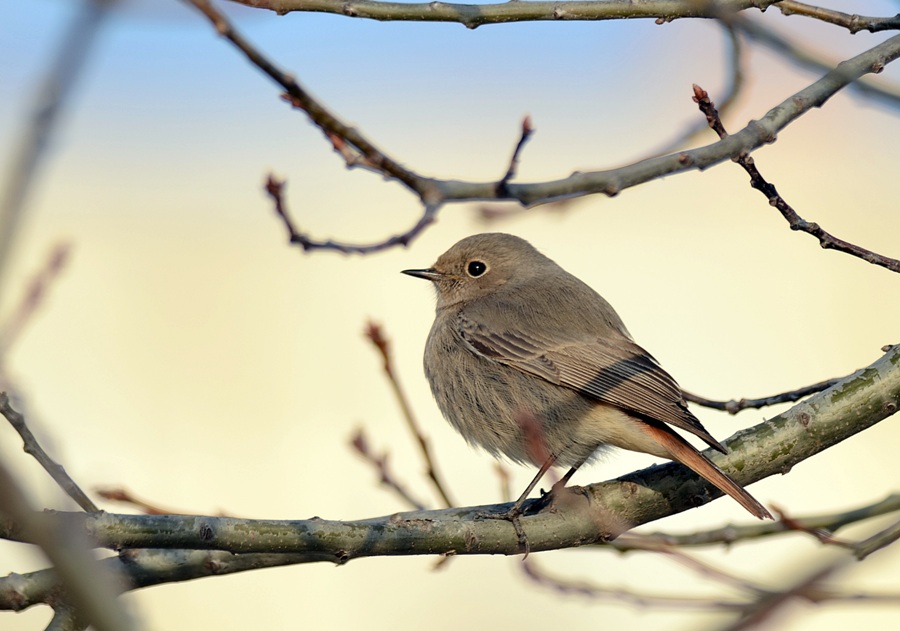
x,y
514,513
557,488
517,507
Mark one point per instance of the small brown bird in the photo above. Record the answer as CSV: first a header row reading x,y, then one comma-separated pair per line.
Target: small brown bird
x,y
518,341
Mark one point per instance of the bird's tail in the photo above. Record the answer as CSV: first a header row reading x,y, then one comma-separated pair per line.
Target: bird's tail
x,y
683,452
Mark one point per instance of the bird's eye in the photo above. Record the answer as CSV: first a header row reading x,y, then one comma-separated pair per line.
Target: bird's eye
x,y
476,268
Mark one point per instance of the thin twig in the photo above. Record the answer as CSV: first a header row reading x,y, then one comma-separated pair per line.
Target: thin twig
x,y
275,190
852,22
34,449
346,140
734,406
826,240
808,587
527,130
375,334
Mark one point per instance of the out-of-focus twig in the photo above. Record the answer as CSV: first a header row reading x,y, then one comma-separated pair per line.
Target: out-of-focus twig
x,y
88,587
361,444
375,334
626,596
876,542
828,522
49,102
124,496
35,293
888,94
734,85
33,448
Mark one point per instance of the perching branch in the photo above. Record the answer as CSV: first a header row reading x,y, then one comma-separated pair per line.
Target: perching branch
x,y
602,513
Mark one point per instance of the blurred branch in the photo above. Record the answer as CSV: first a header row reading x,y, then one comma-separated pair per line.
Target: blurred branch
x,y
124,496
45,113
757,181
475,15
33,448
35,293
571,587
852,22
734,406
734,84
434,193
800,56
828,522
770,448
361,445
375,334
90,589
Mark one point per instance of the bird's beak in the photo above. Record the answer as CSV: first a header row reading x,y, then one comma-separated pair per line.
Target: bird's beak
x,y
428,274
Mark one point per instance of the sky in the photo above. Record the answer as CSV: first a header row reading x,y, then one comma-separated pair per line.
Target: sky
x,y
188,353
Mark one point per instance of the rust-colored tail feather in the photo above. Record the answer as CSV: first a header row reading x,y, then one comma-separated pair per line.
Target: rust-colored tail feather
x,y
682,451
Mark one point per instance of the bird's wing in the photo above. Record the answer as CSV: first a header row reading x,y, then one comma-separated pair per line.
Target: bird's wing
x,y
611,369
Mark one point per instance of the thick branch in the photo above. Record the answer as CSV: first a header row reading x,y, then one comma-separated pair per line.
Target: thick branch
x,y
606,510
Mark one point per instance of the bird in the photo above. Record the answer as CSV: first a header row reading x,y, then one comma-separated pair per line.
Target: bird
x,y
518,342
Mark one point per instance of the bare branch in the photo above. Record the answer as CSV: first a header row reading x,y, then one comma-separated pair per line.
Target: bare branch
x,y
33,448
757,181
475,15
627,596
434,193
527,130
852,22
734,406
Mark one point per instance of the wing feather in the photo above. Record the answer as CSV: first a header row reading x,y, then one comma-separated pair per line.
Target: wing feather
x,y
611,369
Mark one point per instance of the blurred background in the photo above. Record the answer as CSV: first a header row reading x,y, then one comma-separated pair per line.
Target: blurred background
x,y
186,352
